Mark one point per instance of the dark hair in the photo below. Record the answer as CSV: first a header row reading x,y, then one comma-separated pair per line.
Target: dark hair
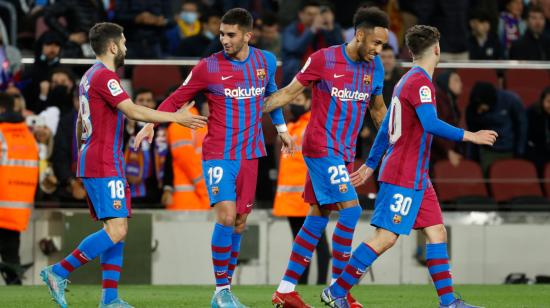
x,y
480,15
306,3
64,70
142,91
420,37
535,9
387,47
101,34
207,14
483,93
7,102
240,17
369,18
269,19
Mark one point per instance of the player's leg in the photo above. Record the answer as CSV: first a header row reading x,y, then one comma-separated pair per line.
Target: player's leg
x,y
222,241
240,225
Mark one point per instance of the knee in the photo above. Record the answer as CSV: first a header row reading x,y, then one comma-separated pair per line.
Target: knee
x,y
384,241
438,234
389,241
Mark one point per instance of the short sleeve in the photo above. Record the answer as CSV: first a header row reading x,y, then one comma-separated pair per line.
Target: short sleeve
x,y
109,89
195,82
271,70
420,92
378,86
312,69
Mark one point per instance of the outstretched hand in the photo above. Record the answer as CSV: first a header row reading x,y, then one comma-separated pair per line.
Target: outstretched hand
x,y
185,118
288,143
148,131
361,175
484,137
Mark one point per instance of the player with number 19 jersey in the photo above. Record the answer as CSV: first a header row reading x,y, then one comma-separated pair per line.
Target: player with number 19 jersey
x,y
100,158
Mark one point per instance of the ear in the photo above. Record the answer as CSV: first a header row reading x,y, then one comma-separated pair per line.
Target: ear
x,y
437,50
248,36
113,47
360,34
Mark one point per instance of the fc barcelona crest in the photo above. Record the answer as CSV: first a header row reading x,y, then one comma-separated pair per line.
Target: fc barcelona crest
x,y
396,219
343,188
366,79
117,204
215,190
260,73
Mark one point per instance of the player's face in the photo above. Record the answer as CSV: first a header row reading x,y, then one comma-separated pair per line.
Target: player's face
x,y
120,52
371,42
233,38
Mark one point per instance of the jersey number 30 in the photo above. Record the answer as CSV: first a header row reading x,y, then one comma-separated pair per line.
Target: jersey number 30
x,y
401,205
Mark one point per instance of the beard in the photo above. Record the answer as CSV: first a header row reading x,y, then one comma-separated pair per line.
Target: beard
x,y
119,59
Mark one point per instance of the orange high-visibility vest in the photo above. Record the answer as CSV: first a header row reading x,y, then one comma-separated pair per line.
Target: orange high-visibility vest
x,y
292,175
186,148
18,175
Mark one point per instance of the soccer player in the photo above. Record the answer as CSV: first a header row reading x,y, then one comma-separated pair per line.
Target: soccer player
x,y
100,125
235,82
406,199
346,79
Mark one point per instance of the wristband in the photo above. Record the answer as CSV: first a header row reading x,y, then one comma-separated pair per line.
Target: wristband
x,y
281,128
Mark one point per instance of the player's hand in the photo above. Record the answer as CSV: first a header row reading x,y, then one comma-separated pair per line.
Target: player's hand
x,y
148,131
482,137
185,118
288,143
360,176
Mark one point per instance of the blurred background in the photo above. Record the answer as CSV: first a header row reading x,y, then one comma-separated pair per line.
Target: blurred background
x,y
495,74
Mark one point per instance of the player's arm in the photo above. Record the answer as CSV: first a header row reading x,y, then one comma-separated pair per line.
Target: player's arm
x,y
377,109
283,96
144,114
433,125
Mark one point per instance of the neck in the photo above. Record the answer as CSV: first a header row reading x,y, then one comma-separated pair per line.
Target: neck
x,y
242,54
427,64
109,63
352,50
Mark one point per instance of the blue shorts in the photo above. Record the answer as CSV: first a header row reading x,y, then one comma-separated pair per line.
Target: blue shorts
x,y
396,208
329,177
231,180
108,197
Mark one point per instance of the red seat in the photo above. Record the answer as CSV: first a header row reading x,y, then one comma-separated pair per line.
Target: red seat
x,y
370,187
157,78
528,84
547,180
465,180
514,178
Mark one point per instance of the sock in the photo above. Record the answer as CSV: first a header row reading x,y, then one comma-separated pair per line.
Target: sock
x,y
438,265
88,250
111,264
363,256
235,249
342,238
221,252
302,250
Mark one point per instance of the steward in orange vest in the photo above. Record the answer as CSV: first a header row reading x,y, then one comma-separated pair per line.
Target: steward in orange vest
x,y
189,189
18,182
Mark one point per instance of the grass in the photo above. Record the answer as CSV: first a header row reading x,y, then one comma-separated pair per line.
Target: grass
x,y
513,296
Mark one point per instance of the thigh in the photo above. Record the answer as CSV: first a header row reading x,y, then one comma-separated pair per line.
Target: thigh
x,y
396,208
108,197
221,176
329,177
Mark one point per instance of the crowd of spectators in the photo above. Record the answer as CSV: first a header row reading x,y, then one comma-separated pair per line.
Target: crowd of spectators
x,y
46,91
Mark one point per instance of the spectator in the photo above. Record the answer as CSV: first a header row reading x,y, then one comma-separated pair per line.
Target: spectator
x,y
47,56
533,45
10,64
448,88
187,24
450,17
288,201
483,43
144,23
19,101
145,165
79,16
195,46
503,112
18,175
510,26
65,155
59,97
270,38
538,137
312,31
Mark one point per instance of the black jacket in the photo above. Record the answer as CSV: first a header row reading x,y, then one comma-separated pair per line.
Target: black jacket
x,y
529,47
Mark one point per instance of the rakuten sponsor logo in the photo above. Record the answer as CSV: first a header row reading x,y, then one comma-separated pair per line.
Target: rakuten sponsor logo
x,y
347,95
240,93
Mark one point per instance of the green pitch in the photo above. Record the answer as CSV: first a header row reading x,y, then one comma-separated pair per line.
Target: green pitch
x,y
410,296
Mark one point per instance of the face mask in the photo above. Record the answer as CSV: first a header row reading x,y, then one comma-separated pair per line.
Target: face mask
x,y
209,34
59,97
297,111
189,17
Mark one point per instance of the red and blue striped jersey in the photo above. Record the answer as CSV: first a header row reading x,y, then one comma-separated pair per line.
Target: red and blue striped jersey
x,y
407,159
102,124
342,90
235,91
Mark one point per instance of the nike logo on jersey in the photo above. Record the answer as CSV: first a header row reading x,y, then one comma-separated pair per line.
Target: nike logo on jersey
x,y
338,76
226,77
